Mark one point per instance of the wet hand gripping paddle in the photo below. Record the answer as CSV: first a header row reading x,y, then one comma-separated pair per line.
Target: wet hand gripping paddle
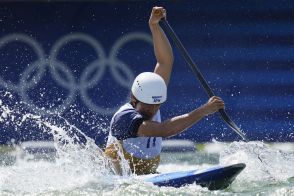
x,y
168,29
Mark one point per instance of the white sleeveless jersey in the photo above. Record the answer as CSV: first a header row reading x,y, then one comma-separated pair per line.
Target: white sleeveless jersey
x,y
140,147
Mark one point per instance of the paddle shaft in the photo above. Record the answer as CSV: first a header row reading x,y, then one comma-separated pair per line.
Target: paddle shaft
x,y
168,29
205,85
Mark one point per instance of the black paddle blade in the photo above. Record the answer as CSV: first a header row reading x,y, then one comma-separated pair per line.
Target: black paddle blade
x,y
232,125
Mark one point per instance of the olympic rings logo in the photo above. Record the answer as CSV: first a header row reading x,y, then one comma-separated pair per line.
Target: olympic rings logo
x,y
69,82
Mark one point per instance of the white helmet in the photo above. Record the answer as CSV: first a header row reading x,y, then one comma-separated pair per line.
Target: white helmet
x,y
150,88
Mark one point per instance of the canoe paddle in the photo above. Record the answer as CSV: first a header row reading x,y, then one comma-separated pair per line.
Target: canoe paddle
x,y
168,29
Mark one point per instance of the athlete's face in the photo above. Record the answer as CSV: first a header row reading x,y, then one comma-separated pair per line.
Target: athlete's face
x,y
148,110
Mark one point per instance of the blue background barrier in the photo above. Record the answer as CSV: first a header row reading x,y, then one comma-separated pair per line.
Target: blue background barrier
x,y
79,59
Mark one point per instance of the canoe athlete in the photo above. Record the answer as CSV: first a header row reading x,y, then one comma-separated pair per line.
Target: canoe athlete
x,y
136,129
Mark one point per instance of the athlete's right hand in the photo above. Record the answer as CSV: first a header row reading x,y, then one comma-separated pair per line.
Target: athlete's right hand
x,y
213,105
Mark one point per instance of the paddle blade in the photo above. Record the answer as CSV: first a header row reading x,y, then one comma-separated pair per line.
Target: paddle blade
x,y
232,125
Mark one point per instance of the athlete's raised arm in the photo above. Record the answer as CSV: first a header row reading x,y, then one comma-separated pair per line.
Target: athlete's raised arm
x,y
162,48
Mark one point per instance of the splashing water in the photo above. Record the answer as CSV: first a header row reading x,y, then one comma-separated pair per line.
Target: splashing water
x,y
78,160
81,168
263,164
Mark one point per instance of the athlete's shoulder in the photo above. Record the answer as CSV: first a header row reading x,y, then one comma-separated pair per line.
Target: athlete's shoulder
x,y
125,122
124,111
